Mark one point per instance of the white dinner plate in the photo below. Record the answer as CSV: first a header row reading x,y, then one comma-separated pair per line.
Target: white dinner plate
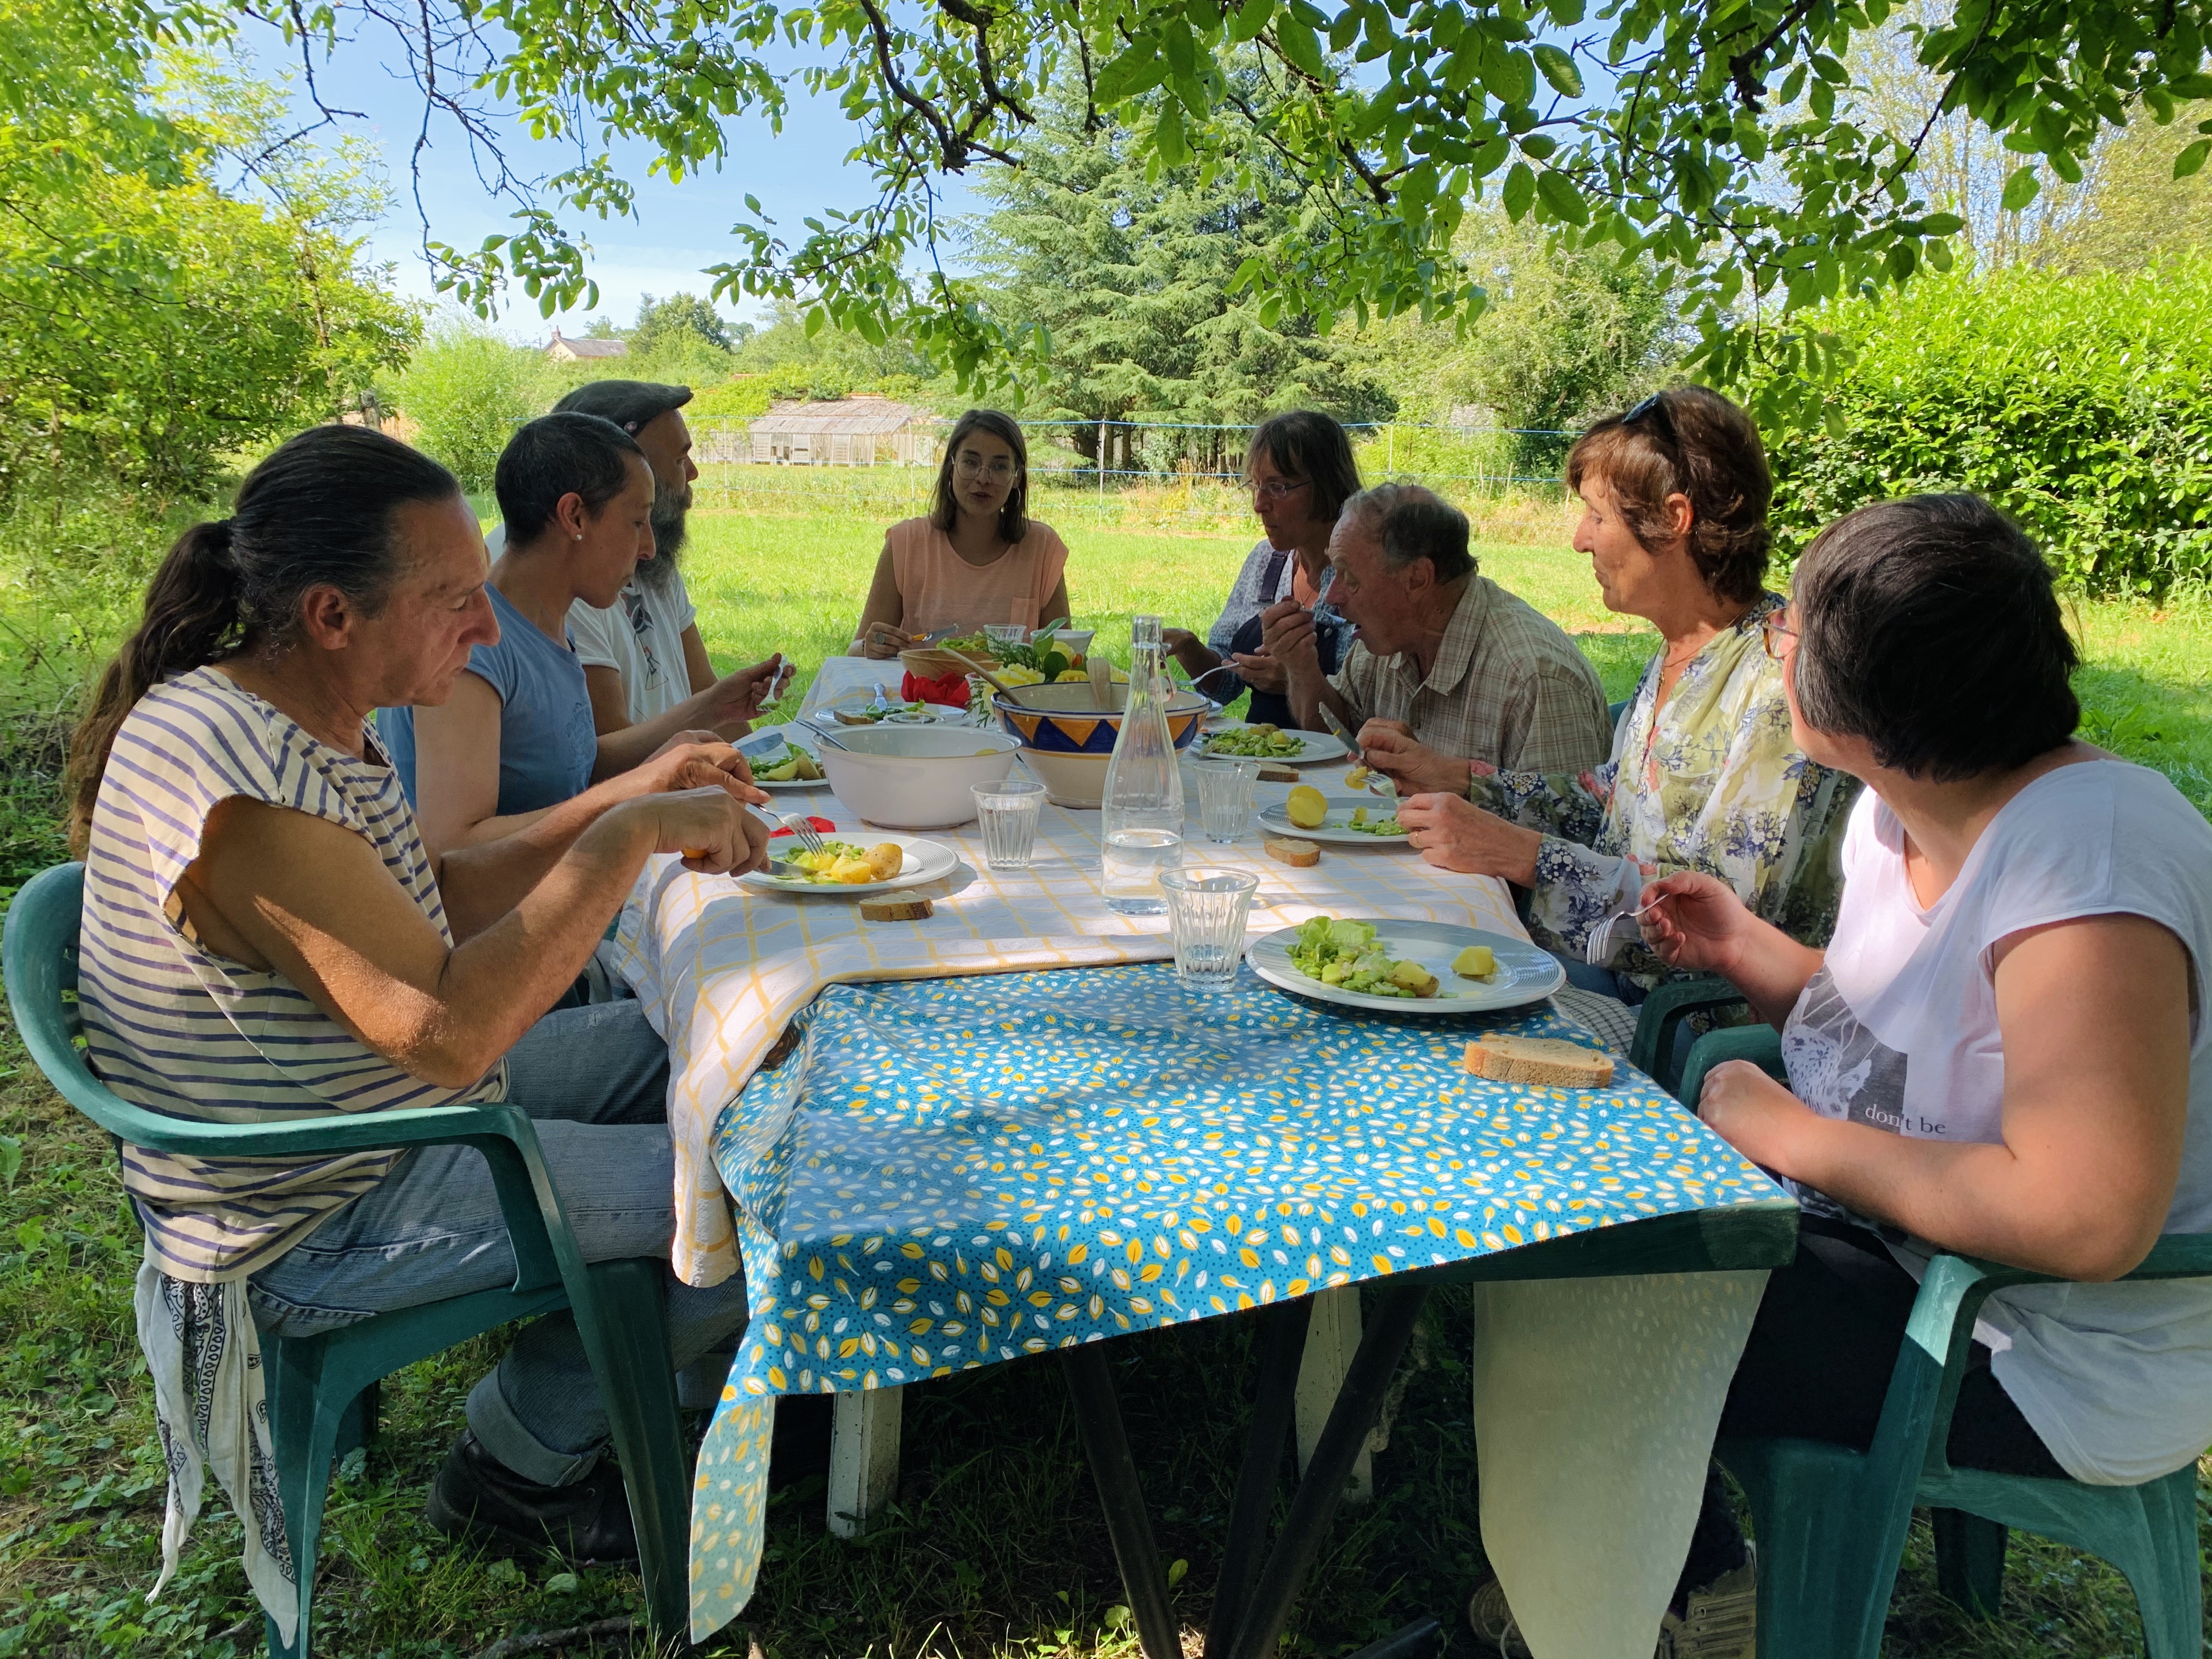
x,y
1277,820
940,713
1319,746
772,740
1525,974
925,860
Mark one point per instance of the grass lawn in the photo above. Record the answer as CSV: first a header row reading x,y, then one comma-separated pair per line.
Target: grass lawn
x,y
996,1547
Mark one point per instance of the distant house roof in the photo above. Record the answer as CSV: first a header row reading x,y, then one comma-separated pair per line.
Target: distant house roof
x,y
852,415
568,348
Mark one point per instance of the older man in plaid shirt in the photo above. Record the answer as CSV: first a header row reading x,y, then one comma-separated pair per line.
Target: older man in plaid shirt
x,y
1442,654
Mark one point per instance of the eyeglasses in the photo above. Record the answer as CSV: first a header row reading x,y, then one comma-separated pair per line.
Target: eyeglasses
x,y
972,466
1654,409
1773,631
1274,489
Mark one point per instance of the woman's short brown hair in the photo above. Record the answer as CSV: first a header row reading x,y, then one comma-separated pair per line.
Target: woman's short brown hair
x,y
1689,441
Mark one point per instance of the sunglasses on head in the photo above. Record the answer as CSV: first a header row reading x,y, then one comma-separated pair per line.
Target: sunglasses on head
x,y
1654,409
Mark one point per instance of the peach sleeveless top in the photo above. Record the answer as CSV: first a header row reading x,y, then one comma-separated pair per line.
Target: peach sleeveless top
x,y
939,589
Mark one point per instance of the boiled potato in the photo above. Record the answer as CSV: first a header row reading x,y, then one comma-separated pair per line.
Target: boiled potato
x,y
886,858
1476,961
809,767
1414,977
1306,807
853,872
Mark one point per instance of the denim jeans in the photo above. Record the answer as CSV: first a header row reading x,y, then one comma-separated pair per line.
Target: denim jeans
x,y
594,1080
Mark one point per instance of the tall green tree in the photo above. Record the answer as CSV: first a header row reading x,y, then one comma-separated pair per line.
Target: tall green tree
x,y
1126,272
1712,136
683,315
152,322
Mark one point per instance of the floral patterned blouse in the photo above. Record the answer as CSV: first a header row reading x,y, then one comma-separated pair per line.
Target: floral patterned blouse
x,y
1711,782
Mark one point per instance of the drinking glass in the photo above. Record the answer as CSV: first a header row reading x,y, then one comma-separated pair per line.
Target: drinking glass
x,y
1206,914
1224,795
1008,814
1004,633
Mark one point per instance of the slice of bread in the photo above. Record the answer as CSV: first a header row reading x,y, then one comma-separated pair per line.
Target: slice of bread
x,y
1299,855
1279,775
894,908
1550,1062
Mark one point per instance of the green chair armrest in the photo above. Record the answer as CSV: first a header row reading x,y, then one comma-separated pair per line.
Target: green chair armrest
x,y
1759,1044
1666,1008
39,954
1923,1390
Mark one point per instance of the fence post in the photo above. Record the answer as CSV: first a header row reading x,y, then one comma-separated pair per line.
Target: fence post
x,y
1101,469
1389,448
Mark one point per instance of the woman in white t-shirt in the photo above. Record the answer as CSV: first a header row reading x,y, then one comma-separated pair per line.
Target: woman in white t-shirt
x,y
2004,1051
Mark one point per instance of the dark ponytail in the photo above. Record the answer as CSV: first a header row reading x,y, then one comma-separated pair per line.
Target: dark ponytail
x,y
317,513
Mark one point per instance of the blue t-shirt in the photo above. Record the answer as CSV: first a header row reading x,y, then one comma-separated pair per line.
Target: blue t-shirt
x,y
547,742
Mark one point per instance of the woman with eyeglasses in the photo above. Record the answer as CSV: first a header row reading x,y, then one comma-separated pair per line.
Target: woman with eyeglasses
x,y
1705,774
2005,1052
977,558
1300,469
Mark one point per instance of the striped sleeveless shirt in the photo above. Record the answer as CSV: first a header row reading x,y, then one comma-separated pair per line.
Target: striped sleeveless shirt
x,y
172,1027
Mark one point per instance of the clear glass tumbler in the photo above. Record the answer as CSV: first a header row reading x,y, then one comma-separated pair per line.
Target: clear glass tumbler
x,y
1206,914
1004,633
1007,811
1224,795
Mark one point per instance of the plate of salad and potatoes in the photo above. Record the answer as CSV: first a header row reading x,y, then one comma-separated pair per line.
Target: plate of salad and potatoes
x,y
1405,967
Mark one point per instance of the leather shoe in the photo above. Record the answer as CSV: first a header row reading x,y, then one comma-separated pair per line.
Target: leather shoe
x,y
477,1497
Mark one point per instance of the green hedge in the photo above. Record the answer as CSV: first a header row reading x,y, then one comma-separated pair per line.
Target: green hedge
x,y
2082,405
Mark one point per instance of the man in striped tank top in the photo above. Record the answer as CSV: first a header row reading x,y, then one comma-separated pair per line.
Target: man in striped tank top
x,y
265,937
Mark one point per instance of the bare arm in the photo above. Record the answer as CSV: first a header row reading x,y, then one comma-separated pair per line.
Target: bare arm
x,y
486,863
698,666
1692,921
610,698
280,890
2094,1018
884,609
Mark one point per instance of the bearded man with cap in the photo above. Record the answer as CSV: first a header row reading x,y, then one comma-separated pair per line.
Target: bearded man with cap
x,y
643,656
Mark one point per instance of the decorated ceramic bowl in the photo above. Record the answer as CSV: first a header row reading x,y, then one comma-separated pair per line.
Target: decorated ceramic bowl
x,y
1066,719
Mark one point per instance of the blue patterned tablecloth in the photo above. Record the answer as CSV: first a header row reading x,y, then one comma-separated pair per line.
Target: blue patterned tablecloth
x,y
950,1173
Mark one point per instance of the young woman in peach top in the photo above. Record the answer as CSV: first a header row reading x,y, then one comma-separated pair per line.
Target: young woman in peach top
x,y
977,558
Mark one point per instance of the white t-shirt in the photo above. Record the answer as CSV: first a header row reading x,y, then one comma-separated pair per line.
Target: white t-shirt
x,y
1899,1030
640,636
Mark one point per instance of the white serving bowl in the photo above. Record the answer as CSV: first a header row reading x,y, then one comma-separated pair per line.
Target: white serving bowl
x,y
915,777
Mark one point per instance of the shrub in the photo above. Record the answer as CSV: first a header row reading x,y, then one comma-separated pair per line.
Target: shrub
x,y
465,391
2081,406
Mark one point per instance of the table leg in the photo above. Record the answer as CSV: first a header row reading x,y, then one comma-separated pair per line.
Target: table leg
x,y
864,1458
1282,1337
1106,1446
1356,1408
1331,1340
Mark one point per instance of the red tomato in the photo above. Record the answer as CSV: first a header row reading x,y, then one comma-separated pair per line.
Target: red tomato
x,y
822,826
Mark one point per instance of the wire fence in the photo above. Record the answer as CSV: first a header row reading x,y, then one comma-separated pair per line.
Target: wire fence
x,y
1156,473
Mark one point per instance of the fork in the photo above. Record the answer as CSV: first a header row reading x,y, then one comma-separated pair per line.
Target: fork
x,y
808,837
1379,783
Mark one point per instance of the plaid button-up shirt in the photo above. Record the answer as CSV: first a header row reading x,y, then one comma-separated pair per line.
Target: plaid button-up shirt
x,y
1508,686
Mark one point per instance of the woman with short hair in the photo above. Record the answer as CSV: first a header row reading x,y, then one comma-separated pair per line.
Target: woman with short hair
x,y
266,936
1704,773
1300,471
978,557
2006,1050
515,747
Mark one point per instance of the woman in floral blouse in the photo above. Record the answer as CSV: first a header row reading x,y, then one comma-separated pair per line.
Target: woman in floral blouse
x,y
1704,776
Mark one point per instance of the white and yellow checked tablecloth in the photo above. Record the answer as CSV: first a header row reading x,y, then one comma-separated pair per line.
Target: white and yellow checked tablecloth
x,y
722,969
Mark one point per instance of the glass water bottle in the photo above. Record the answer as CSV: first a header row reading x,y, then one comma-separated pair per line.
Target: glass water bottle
x,y
1143,815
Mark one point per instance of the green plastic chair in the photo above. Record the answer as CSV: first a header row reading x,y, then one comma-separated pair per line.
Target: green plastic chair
x,y
320,1388
1832,1521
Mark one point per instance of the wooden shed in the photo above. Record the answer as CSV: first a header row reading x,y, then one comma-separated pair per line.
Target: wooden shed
x,y
865,429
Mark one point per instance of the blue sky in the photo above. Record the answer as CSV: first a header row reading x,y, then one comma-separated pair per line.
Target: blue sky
x,y
678,230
